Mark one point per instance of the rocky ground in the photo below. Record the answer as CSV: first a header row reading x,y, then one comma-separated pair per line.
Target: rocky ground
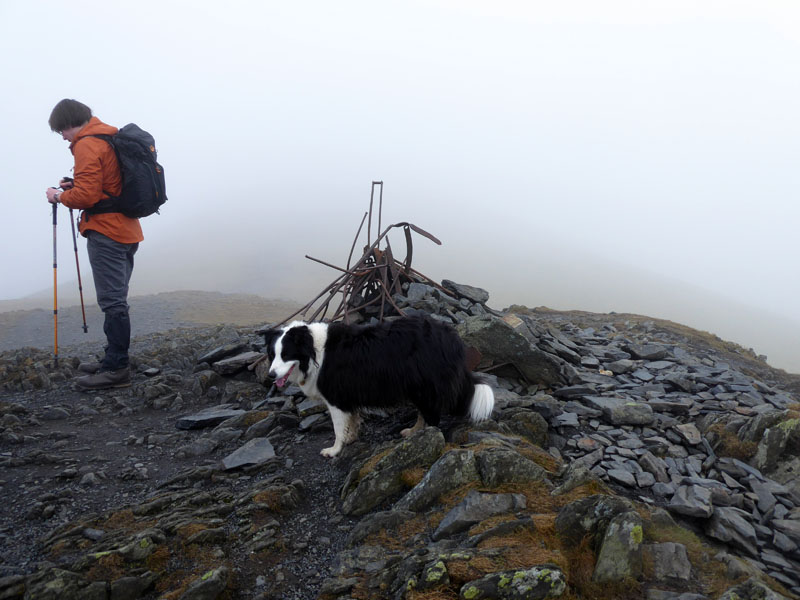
x,y
626,458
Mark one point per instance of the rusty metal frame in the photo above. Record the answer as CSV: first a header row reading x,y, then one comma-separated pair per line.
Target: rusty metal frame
x,y
375,277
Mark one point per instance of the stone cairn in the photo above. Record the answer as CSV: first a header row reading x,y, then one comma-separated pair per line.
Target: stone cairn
x,y
636,412
617,464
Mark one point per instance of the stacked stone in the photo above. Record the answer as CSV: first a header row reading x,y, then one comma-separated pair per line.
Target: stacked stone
x,y
634,411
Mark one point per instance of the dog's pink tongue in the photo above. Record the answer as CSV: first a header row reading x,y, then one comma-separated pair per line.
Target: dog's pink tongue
x,y
282,381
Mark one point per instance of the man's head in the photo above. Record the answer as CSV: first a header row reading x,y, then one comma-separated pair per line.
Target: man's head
x,y
68,117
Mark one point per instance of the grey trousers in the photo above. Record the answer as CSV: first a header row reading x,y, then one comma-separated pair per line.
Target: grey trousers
x,y
112,265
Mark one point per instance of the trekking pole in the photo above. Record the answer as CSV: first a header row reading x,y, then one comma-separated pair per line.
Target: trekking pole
x,y
78,267
55,289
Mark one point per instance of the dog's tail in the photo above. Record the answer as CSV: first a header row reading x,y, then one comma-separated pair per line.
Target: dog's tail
x,y
482,403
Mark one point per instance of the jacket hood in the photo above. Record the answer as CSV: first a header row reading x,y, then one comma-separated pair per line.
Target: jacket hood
x,y
94,127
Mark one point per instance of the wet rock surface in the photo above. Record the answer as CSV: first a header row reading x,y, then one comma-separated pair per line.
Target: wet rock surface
x,y
664,459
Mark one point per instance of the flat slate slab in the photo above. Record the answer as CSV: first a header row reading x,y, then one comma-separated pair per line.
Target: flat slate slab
x,y
229,366
208,418
254,452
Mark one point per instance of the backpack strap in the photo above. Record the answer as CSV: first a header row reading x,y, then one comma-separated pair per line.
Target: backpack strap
x,y
110,204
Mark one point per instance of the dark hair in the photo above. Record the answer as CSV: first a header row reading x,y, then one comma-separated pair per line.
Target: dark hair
x,y
69,113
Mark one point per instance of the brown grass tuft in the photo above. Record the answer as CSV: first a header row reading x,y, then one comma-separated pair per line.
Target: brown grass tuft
x,y
123,519
437,594
541,457
730,445
254,417
411,477
188,530
713,575
107,568
158,560
462,571
369,465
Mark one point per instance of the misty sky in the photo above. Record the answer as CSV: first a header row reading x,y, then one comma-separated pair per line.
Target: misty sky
x,y
631,156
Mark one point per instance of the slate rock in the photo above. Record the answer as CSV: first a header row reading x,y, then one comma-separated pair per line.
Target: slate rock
x,y
383,520
622,476
234,364
576,474
499,465
130,588
620,555
200,447
731,525
209,417
454,469
773,445
654,465
385,480
619,411
504,341
55,584
647,351
618,367
645,479
692,501
473,294
789,527
656,594
221,352
527,424
753,430
590,515
670,562
418,291
209,587
541,581
475,508
689,433
752,589
310,406
254,452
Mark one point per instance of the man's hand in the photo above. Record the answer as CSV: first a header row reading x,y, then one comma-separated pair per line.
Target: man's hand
x,y
52,195
65,183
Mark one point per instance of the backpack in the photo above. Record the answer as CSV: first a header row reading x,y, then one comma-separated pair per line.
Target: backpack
x,y
143,187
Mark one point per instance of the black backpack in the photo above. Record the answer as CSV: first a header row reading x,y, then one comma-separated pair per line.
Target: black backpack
x,y
143,187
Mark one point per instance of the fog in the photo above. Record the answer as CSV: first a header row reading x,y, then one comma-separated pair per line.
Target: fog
x,y
617,156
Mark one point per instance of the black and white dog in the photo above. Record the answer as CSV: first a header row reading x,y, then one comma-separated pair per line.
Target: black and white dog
x,y
353,367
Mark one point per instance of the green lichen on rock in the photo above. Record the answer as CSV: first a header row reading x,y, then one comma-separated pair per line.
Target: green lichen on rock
x,y
470,592
435,572
637,535
789,425
536,583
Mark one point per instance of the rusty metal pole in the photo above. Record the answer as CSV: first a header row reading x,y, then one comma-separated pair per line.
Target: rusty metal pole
x,y
78,267
380,203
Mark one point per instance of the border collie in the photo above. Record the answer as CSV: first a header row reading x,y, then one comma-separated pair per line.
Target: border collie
x,y
353,367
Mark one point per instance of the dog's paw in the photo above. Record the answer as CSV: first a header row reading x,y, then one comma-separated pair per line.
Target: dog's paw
x,y
330,452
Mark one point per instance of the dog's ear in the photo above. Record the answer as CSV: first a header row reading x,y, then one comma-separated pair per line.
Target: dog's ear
x,y
270,335
301,342
306,345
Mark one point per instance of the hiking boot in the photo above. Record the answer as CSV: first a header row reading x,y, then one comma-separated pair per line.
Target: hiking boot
x,y
105,379
90,367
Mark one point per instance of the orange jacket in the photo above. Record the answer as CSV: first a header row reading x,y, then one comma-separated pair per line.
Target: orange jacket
x,y
97,175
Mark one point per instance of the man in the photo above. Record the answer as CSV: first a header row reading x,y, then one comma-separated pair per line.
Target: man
x,y
112,238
